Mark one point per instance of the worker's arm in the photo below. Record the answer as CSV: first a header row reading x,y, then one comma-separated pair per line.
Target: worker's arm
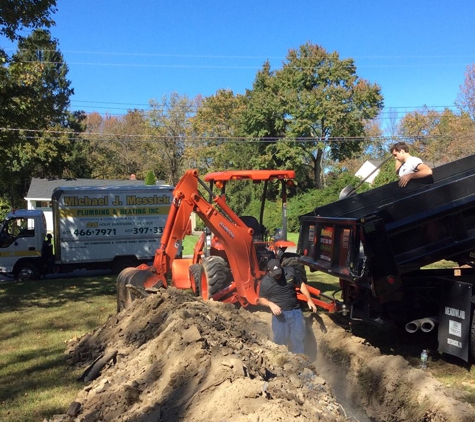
x,y
305,292
275,309
423,170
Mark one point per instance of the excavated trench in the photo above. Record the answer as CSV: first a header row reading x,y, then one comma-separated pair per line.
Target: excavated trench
x,y
172,357
377,383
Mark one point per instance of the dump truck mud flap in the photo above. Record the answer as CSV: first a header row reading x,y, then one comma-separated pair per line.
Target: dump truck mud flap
x,y
455,321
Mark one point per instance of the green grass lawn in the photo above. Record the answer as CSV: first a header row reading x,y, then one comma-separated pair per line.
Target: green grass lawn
x,y
189,243
36,321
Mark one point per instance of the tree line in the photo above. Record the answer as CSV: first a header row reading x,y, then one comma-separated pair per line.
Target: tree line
x,y
314,115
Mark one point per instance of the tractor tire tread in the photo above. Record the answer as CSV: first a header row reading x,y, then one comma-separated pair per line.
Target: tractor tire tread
x,y
217,273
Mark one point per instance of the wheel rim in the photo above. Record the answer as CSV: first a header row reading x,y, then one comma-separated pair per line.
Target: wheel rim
x,y
25,274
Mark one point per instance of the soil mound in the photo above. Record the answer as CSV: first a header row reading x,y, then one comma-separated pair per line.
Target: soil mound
x,y
173,357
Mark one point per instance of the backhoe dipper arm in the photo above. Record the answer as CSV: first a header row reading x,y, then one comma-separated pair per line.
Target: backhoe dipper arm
x,y
235,236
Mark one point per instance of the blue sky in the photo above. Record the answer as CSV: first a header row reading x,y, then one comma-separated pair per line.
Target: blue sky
x,y
121,54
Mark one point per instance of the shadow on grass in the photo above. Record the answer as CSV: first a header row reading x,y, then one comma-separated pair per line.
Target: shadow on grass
x,y
53,292
38,318
41,369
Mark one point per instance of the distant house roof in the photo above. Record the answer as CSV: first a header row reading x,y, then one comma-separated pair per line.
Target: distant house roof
x,y
43,188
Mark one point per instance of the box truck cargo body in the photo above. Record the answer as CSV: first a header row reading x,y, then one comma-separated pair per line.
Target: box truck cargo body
x,y
94,228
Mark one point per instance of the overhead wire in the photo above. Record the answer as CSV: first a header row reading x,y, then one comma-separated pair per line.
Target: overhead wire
x,y
83,136
240,57
233,57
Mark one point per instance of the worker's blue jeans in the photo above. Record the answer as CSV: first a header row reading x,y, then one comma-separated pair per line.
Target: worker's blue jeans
x,y
289,330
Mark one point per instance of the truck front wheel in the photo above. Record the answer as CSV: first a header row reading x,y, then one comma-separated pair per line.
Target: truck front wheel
x,y
27,271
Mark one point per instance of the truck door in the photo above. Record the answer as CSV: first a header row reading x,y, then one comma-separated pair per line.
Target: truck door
x,y
17,240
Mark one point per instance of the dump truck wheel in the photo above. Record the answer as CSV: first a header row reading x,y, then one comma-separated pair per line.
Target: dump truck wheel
x,y
293,261
27,271
215,276
195,277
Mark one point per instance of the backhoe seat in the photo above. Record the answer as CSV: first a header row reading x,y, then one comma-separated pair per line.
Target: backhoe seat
x,y
251,221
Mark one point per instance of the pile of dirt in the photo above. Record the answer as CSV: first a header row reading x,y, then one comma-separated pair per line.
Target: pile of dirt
x,y
173,357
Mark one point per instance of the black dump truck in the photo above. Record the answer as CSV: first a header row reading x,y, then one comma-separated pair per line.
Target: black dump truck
x,y
380,242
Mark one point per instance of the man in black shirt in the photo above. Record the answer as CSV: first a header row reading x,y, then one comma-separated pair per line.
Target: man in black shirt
x,y
277,292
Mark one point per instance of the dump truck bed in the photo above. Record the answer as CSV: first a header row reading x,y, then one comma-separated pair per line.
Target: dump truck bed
x,y
449,182
394,229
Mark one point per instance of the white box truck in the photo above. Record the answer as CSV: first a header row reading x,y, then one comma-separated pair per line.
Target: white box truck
x,y
111,227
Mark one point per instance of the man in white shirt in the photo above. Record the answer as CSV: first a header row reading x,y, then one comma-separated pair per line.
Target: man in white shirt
x,y
407,166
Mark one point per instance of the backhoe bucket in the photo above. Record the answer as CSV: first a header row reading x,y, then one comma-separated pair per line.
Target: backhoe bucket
x,y
131,283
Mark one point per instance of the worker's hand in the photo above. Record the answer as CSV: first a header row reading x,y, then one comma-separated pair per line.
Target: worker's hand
x,y
312,305
275,309
404,180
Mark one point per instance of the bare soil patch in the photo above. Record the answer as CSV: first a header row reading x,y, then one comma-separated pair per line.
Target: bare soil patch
x,y
173,357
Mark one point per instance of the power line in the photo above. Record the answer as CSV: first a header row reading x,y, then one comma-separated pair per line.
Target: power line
x,y
160,138
103,104
195,66
247,57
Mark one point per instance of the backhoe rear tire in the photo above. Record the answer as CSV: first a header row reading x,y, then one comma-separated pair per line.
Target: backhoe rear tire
x,y
195,277
215,276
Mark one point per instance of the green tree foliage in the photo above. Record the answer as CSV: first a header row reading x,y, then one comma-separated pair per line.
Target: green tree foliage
x,y
217,142
301,203
34,116
312,101
387,174
170,126
150,178
17,15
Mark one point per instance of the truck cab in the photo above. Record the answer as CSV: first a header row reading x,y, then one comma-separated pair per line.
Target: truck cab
x,y
22,236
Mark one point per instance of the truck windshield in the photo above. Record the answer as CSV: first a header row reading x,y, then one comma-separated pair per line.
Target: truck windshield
x,y
15,228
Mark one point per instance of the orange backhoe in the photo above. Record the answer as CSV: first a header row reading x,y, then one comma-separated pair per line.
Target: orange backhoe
x,y
230,258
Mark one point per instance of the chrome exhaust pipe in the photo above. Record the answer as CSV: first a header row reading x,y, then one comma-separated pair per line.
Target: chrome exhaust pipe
x,y
428,324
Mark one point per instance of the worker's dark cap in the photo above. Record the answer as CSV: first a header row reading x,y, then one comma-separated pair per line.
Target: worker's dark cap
x,y
274,268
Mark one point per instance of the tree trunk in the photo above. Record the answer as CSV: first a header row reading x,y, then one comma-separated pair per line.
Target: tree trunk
x,y
318,169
